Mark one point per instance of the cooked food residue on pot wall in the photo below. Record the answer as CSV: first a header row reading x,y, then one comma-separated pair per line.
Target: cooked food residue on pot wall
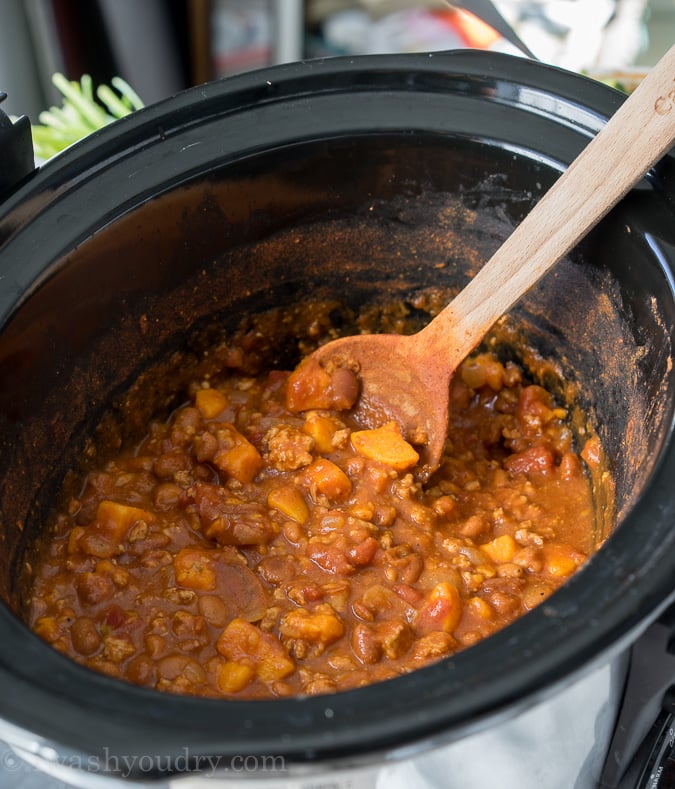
x,y
244,550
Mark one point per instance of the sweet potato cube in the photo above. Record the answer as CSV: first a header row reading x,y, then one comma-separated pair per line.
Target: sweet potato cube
x,y
323,477
47,628
289,500
481,370
113,520
245,643
322,626
387,445
241,459
193,569
480,608
210,402
74,538
442,609
560,560
233,676
307,387
322,429
501,549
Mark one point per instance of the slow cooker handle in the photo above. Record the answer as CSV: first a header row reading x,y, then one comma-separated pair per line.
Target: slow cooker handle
x,y
648,705
17,159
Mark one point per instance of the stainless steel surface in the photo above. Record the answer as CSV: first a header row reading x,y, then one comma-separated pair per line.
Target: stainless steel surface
x,y
18,774
558,743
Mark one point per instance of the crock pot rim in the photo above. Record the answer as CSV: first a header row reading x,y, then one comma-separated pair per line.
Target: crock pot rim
x,y
288,82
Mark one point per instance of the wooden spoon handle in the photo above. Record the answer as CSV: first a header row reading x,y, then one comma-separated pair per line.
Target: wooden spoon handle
x,y
634,139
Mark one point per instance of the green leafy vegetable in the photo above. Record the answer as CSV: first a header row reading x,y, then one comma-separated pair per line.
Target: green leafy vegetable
x,y
81,113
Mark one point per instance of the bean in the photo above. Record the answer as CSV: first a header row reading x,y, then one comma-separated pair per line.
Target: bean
x,y
84,635
536,594
167,496
93,588
277,569
96,545
188,419
537,459
529,558
364,552
345,386
319,685
510,570
206,446
504,603
174,666
167,465
474,526
141,670
293,532
214,610
570,466
365,645
407,566
154,645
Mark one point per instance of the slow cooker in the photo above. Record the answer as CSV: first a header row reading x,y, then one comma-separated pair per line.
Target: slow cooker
x,y
356,176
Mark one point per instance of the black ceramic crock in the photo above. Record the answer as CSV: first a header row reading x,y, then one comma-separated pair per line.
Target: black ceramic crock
x,y
340,176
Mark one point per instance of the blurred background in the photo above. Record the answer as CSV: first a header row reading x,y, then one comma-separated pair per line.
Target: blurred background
x,y
162,46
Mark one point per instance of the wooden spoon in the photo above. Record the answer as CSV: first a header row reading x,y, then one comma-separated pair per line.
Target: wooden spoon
x,y
406,378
